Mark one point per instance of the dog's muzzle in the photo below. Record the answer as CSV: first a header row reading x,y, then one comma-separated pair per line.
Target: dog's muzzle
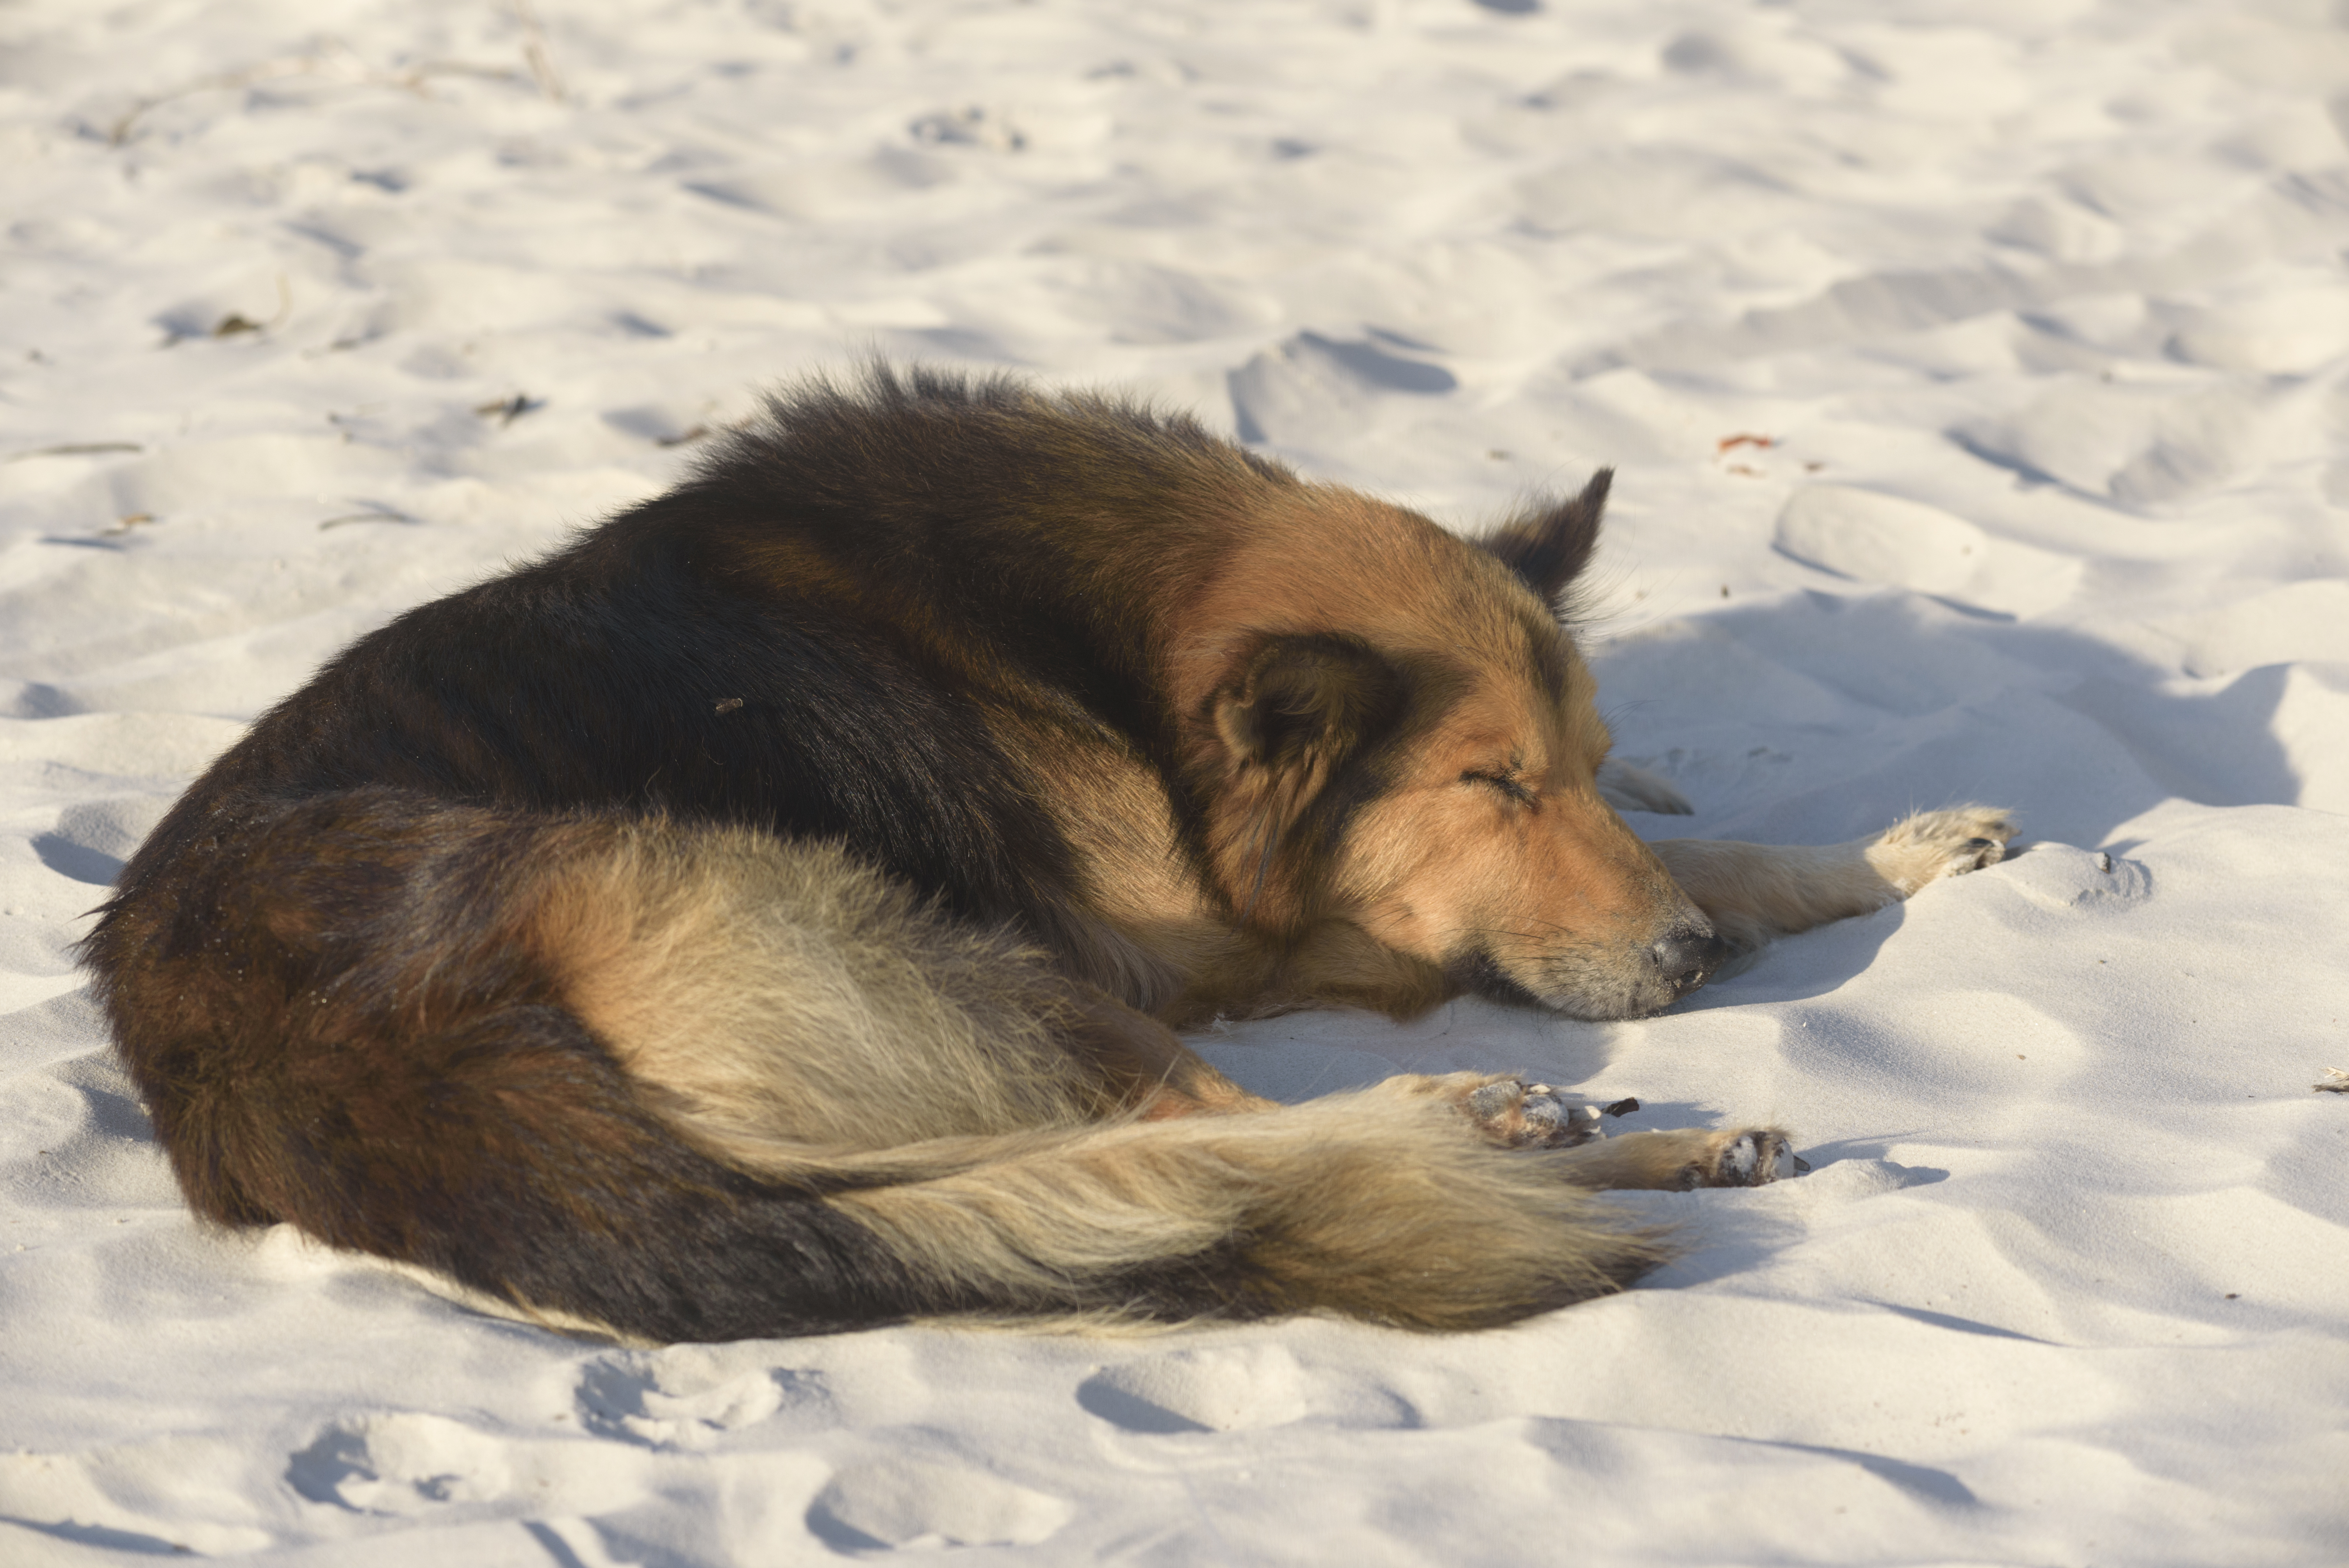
x,y
1686,957
1591,984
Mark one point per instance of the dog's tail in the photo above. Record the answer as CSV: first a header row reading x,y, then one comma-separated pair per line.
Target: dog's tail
x,y
693,1084
1384,1205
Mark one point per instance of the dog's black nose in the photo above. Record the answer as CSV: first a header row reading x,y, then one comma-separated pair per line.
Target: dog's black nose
x,y
1687,957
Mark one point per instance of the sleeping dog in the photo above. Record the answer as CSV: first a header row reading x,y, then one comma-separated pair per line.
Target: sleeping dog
x,y
771,912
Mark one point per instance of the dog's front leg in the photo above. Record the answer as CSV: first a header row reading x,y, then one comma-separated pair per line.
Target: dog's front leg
x,y
1515,1114
1752,893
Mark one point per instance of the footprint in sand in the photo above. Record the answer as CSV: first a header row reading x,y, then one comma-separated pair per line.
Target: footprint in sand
x,y
2279,331
1239,1389
2143,445
1293,386
403,1463
686,1398
2071,881
93,838
924,1503
1876,538
409,1463
185,1494
2307,621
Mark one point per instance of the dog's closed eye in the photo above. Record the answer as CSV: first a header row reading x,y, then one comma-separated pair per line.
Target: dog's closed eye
x,y
1505,781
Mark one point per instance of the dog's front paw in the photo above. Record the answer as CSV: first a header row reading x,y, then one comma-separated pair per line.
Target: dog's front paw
x,y
1745,1157
1934,844
1520,1115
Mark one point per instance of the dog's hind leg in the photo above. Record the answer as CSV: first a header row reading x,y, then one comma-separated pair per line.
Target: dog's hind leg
x,y
1752,893
1685,1157
777,995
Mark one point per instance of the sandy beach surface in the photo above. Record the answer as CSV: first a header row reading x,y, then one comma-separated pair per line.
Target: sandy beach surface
x,y
1977,376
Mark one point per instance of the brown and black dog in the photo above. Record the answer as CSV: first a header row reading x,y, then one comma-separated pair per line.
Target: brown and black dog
x,y
769,913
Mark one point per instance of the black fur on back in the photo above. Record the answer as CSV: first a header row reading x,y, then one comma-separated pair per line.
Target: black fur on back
x,y
792,639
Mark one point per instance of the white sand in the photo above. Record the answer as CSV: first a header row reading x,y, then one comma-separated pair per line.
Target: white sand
x,y
2040,308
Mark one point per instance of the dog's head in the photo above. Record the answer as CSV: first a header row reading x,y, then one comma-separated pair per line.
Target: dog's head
x,y
1394,729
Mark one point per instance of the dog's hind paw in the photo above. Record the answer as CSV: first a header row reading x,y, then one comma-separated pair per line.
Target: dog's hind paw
x,y
1685,1158
1520,1115
1934,844
1746,1157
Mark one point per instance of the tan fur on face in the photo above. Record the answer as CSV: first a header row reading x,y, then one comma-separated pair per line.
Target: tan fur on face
x,y
1494,841
1490,844
1319,558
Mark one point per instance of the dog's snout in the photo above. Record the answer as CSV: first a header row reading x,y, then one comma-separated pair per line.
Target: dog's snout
x,y
1687,955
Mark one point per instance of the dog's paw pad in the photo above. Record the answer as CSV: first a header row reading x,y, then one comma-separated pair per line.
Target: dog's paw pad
x,y
1746,1158
1521,1115
1935,844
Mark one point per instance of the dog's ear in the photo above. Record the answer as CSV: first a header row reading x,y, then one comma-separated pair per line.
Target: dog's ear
x,y
1292,714
1550,547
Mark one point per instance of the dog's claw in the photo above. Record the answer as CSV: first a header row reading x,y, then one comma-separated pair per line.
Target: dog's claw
x,y
1933,845
1752,1158
1522,1115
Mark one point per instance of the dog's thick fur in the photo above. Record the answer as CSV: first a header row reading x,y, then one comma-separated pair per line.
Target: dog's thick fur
x,y
768,913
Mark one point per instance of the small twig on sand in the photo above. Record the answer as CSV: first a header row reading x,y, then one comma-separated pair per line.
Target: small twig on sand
x,y
236,322
506,410
76,449
2334,1081
333,60
333,63
379,514
534,50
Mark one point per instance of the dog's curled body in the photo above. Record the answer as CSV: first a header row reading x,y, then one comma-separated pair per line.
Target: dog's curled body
x,y
767,913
